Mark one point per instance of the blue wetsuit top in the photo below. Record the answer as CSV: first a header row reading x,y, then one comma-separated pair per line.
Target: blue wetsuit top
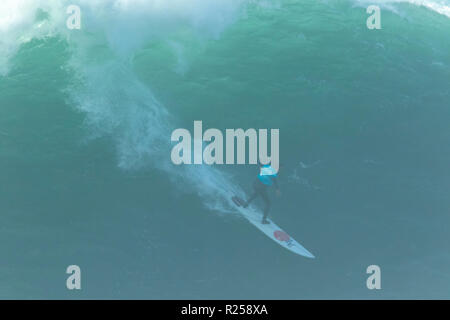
x,y
267,175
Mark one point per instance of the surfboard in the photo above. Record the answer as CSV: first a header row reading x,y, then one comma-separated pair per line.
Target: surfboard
x,y
271,230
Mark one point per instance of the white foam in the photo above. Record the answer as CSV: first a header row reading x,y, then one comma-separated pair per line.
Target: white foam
x,y
442,7
118,105
125,24
17,26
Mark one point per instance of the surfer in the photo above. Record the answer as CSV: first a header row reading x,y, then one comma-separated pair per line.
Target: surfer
x,y
267,177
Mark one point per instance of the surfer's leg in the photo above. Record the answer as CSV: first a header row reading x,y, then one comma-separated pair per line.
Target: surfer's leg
x,y
249,200
253,195
266,200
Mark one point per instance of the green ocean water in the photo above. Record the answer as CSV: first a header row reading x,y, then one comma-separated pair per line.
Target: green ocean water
x,y
85,170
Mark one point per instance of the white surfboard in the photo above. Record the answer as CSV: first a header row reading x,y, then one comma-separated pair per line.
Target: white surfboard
x,y
273,231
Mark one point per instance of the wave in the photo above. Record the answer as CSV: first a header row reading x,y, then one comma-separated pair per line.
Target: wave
x,y
441,7
125,24
105,88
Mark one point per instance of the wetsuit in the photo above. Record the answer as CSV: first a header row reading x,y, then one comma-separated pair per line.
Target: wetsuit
x,y
266,178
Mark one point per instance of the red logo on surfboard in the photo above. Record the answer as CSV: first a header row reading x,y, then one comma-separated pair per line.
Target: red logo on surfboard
x,y
281,235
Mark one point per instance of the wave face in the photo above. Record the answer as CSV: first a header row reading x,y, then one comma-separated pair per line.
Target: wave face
x,y
86,118
105,88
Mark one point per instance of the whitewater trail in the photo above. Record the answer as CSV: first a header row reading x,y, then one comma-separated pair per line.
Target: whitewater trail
x,y
115,102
